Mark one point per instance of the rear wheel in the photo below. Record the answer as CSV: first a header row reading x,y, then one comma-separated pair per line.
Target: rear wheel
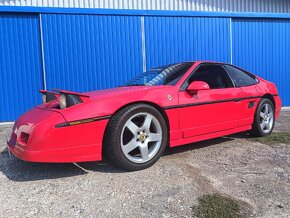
x,y
136,137
264,119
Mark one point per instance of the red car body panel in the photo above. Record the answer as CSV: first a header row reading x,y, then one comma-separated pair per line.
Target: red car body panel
x,y
220,116
47,143
75,134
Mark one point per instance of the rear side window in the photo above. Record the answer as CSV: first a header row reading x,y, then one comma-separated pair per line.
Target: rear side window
x,y
240,77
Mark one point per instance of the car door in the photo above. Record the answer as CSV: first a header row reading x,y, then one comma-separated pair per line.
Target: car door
x,y
250,100
212,110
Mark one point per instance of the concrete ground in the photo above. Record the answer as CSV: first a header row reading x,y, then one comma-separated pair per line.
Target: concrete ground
x,y
254,173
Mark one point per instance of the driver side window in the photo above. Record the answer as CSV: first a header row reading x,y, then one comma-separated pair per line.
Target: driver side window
x,y
214,75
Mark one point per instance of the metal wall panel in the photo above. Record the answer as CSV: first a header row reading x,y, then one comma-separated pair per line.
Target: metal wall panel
x,y
173,39
20,64
88,52
276,6
262,47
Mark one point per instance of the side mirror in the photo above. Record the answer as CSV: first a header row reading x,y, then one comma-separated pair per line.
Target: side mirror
x,y
196,86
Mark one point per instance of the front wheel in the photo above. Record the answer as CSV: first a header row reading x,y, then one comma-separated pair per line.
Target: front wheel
x,y
264,119
136,137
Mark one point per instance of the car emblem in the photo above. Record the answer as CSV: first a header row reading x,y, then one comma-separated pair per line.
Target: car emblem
x,y
169,97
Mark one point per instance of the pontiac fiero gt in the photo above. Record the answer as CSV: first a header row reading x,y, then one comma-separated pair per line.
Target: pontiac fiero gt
x,y
170,106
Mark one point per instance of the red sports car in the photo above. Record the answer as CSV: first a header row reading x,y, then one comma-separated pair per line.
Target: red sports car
x,y
170,106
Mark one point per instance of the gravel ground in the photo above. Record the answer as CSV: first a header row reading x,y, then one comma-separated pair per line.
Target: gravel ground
x,y
254,173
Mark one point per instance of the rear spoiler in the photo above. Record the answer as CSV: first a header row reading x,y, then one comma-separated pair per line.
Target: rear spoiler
x,y
71,93
48,96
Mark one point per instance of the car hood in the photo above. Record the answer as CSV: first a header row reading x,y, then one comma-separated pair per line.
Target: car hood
x,y
123,91
106,102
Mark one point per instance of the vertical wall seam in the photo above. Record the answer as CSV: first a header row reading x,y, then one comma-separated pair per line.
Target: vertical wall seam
x,y
42,52
231,41
143,43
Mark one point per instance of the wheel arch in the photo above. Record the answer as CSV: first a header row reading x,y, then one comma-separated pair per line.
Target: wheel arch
x,y
271,98
156,106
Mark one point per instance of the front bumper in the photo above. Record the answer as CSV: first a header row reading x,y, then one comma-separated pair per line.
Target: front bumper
x,y
82,153
46,143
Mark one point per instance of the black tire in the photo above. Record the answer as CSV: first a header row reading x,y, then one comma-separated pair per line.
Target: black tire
x,y
113,136
256,128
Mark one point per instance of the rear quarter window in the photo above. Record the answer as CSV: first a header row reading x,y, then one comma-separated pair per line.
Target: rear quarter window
x,y
241,78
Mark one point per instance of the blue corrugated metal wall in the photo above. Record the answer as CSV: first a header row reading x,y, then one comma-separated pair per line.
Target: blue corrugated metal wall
x,y
20,64
88,52
262,47
173,39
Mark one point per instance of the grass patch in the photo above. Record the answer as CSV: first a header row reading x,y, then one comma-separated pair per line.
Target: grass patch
x,y
274,138
216,206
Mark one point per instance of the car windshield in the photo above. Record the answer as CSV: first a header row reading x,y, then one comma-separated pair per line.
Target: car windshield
x,y
165,75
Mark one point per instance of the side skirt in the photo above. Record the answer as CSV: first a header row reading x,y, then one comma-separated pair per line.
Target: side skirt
x,y
183,141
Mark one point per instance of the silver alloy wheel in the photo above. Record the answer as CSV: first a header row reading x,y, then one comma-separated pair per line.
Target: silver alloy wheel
x,y
266,118
141,137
